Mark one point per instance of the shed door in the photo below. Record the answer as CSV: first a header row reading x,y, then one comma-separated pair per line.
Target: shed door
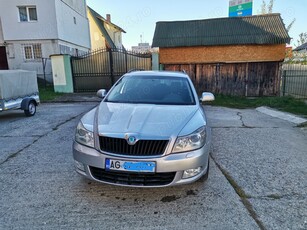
x,y
3,59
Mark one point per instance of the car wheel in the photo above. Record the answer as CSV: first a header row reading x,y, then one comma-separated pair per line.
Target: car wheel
x,y
206,175
31,110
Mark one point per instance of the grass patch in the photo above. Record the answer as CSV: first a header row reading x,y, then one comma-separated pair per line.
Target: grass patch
x,y
287,104
46,93
303,125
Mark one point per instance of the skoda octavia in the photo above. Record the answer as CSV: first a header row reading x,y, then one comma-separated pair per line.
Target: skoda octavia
x,y
150,130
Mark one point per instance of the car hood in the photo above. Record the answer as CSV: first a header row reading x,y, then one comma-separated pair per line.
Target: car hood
x,y
143,120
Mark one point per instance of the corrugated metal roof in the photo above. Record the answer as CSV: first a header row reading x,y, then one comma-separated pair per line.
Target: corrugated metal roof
x,y
301,47
260,29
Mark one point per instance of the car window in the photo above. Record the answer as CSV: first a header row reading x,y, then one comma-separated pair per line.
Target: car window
x,y
152,90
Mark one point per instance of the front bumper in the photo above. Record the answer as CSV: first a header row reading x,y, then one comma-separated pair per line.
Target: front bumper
x,y
172,163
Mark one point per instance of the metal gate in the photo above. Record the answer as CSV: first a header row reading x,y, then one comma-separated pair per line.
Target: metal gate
x,y
100,69
294,80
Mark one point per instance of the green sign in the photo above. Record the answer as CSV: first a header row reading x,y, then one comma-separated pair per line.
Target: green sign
x,y
240,8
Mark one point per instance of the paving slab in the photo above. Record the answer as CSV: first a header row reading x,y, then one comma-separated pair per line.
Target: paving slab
x,y
51,195
266,157
282,115
289,212
8,149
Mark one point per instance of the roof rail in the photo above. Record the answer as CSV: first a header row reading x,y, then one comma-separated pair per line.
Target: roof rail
x,y
134,70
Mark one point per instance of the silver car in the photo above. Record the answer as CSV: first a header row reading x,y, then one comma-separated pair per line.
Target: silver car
x,y
150,130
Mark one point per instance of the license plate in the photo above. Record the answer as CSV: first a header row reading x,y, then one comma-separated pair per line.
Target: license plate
x,y
130,166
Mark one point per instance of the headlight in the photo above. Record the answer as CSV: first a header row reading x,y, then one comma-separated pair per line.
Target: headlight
x,y
191,142
83,136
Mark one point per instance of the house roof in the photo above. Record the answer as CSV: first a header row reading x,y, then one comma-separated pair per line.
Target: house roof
x,y
260,29
100,21
301,47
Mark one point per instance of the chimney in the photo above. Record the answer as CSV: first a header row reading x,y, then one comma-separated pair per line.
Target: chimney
x,y
108,17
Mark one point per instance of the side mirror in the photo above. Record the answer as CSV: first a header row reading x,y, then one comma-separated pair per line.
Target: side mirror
x,y
101,93
207,97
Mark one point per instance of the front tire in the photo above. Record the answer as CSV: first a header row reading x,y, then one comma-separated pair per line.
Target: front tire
x,y
31,109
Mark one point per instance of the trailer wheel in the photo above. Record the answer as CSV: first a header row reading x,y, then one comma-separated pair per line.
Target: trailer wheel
x,y
31,109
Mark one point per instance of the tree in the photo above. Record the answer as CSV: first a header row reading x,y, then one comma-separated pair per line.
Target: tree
x,y
267,8
291,24
302,39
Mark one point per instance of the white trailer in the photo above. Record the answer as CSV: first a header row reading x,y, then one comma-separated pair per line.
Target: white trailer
x,y
19,90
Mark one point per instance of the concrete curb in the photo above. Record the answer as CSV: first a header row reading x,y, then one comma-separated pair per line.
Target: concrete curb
x,y
76,98
282,115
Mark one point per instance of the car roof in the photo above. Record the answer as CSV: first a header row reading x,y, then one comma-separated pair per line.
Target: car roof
x,y
158,73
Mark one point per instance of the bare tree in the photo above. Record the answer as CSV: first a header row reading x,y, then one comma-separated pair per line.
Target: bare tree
x,y
290,25
270,6
267,8
302,39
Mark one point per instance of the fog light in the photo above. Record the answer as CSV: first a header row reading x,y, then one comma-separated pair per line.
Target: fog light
x,y
191,172
79,166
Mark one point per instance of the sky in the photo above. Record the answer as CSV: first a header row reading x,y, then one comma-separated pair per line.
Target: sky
x,y
138,18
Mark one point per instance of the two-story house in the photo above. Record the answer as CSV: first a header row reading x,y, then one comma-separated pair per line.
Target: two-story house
x,y
34,29
104,33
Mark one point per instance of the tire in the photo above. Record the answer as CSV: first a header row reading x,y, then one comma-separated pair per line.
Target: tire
x,y
31,109
206,175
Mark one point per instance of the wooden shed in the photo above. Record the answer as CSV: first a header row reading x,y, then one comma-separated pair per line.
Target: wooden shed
x,y
232,56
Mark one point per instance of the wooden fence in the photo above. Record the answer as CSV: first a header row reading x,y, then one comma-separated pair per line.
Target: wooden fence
x,y
237,79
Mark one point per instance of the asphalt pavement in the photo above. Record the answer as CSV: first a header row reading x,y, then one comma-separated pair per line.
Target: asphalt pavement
x,y
257,177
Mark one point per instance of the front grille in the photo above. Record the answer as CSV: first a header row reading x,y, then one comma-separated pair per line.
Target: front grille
x,y
140,148
136,179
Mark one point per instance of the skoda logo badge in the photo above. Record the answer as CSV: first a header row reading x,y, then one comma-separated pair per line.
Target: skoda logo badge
x,y
131,140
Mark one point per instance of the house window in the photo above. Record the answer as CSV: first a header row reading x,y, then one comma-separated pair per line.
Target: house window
x,y
32,51
75,20
27,13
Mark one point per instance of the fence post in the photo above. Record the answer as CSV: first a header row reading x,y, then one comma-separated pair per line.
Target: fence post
x,y
62,73
155,61
73,74
111,66
126,60
284,77
44,60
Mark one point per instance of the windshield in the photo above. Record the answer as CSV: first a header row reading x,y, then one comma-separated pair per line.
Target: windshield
x,y
152,90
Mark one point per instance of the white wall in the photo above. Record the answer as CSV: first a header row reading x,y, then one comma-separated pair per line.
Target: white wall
x,y
16,56
69,31
44,28
98,41
55,21
55,26
115,34
303,51
77,5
